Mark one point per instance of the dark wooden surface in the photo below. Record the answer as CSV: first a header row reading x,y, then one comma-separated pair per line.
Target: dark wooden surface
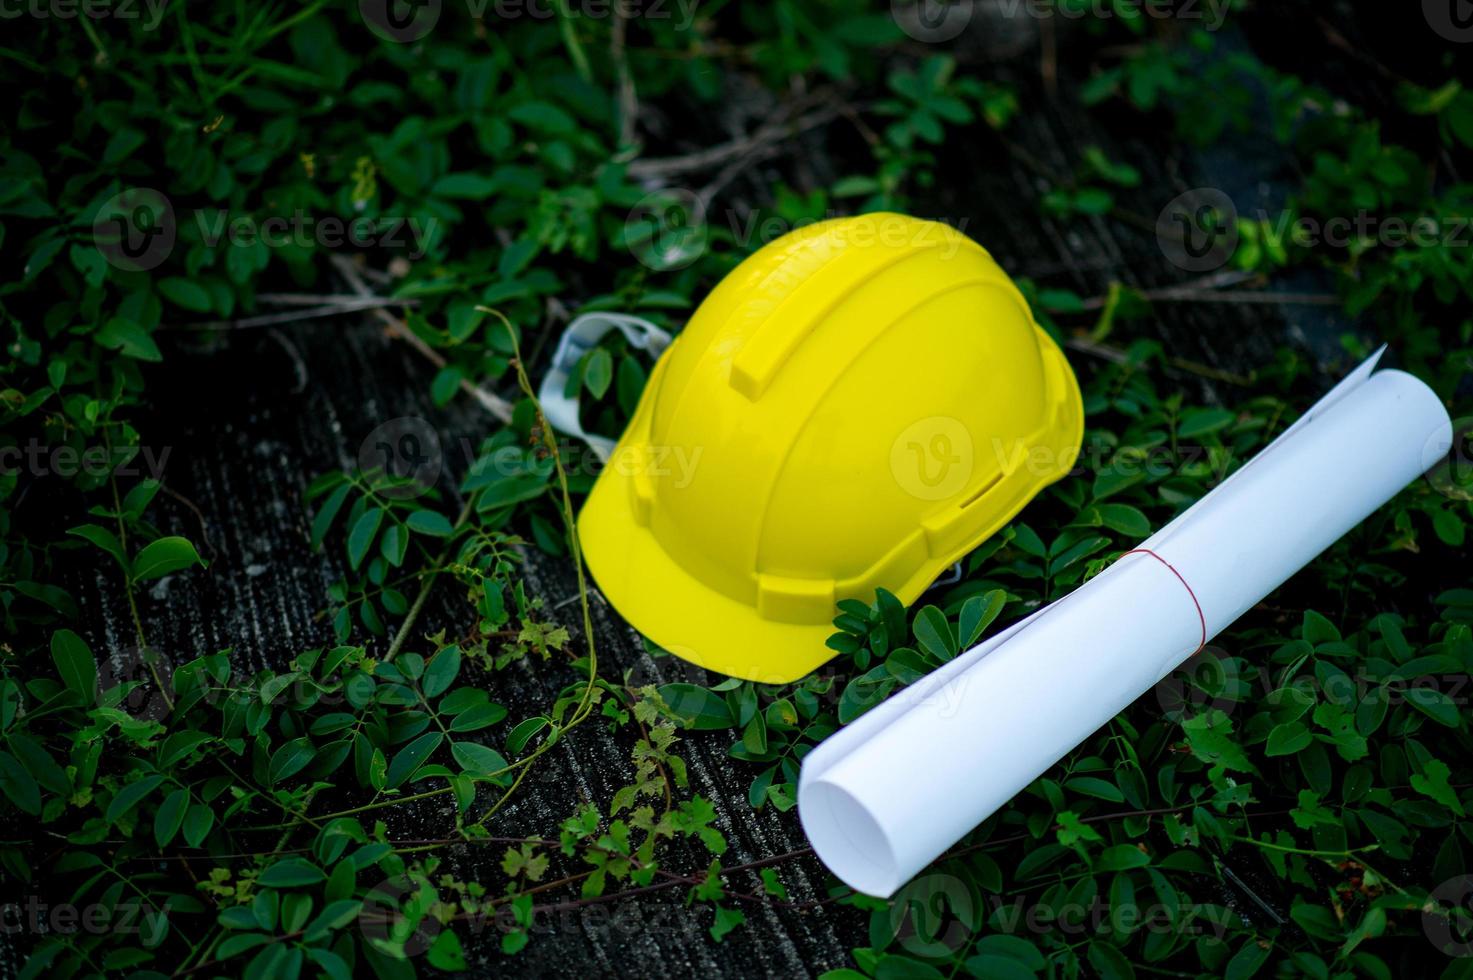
x,y
247,429
251,418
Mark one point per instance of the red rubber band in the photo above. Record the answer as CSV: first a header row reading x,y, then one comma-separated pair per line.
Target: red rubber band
x,y
1200,615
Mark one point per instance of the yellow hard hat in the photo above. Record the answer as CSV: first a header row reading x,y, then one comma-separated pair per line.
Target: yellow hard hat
x,y
857,405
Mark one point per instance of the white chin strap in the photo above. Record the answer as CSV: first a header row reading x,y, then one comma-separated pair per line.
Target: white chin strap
x,y
578,338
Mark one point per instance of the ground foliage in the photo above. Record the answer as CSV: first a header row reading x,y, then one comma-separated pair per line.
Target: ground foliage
x,y
1286,807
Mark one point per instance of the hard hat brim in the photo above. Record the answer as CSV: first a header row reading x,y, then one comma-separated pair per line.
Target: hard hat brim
x,y
678,612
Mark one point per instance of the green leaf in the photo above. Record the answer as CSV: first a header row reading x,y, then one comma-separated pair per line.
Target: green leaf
x,y
76,665
138,499
543,117
1371,712
1112,480
1125,519
1311,812
465,186
411,665
773,885
1110,963
696,707
1210,737
360,539
1248,959
102,538
130,796
239,917
1318,921
891,966
408,759
273,686
295,908
341,882
629,382
40,763
124,141
977,614
1318,629
598,373
186,293
129,339
333,917
513,260
726,920
90,263
291,872
508,490
1121,857
754,736
275,961
1288,739
198,823
441,672
164,557
330,963
1094,200
1096,787
267,908
18,785
240,943
523,733
1432,781
1201,421
1014,948
477,759
446,952
291,759
327,513
995,967
1434,704
445,384
170,817
1449,527
477,717
934,633
429,522
394,544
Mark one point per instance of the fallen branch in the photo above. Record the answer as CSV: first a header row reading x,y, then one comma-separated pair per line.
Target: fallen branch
x,y
335,307
723,153
397,328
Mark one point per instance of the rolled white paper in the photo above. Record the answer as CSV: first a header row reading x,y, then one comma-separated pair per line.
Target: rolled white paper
x,y
885,796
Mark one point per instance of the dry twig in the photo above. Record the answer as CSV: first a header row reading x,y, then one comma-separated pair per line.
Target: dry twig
x,y
491,402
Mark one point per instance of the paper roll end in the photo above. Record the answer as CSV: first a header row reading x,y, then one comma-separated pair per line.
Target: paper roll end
x,y
848,839
1440,438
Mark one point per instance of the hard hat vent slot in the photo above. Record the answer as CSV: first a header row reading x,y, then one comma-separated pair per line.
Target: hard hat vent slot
x,y
980,492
